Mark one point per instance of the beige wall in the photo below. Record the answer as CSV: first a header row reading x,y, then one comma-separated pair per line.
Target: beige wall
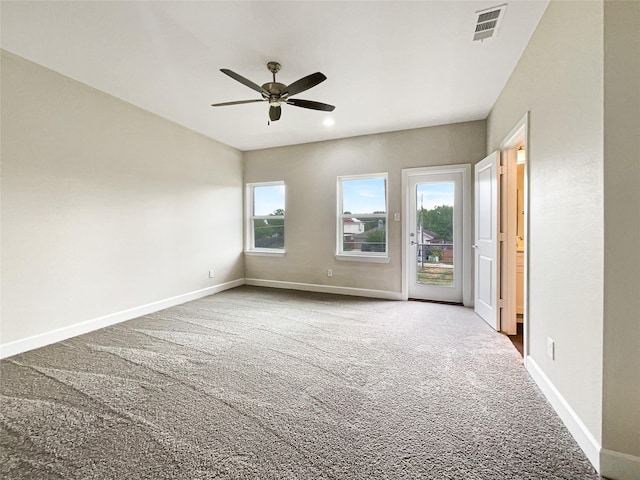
x,y
559,79
310,172
105,207
580,82
621,396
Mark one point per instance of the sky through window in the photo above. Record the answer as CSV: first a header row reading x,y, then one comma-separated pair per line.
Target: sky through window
x,y
267,199
431,195
364,196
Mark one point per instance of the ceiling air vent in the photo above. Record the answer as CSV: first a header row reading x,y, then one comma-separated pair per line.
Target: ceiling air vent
x,y
488,22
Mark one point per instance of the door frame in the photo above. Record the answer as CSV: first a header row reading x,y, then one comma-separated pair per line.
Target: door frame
x,y
519,134
467,219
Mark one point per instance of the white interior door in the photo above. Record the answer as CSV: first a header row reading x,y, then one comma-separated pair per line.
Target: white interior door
x,y
486,241
434,252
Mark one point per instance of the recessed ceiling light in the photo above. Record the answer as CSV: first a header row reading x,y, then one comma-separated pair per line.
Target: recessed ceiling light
x,y
328,122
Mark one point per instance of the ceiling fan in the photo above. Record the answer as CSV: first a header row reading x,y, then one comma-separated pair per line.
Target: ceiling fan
x,y
278,93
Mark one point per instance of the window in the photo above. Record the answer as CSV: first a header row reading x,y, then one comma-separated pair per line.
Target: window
x,y
265,217
362,217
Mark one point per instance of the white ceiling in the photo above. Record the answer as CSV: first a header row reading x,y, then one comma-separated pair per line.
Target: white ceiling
x,y
390,65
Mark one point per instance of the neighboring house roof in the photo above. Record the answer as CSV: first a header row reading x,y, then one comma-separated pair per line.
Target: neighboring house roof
x,y
426,237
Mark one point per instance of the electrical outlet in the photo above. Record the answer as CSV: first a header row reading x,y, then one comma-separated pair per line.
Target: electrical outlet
x,y
329,273
551,348
211,275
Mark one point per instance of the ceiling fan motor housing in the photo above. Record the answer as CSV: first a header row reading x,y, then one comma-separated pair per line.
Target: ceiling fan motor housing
x,y
274,88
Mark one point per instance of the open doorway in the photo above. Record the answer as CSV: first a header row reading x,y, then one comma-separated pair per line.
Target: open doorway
x,y
514,200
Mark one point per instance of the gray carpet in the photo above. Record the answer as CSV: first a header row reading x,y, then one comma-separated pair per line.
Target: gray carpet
x,y
270,384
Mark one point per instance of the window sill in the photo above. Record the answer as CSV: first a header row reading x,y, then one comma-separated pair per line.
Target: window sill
x,y
363,258
265,253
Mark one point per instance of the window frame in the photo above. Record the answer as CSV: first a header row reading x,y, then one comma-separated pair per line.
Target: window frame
x,y
378,257
250,219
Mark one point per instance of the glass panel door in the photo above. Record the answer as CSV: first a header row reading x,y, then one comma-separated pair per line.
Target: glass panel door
x,y
434,233
435,216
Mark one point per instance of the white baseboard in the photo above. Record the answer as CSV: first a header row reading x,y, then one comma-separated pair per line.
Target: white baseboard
x,y
19,346
313,287
619,466
587,442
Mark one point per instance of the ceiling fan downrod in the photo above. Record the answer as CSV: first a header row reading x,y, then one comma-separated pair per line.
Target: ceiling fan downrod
x,y
274,67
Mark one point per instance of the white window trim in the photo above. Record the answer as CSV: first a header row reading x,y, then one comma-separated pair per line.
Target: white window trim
x,y
250,248
265,252
373,257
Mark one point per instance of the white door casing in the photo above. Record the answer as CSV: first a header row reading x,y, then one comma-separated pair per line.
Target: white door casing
x,y
463,241
508,323
486,242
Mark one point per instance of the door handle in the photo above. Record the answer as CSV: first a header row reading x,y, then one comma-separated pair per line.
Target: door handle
x,y
412,243
474,246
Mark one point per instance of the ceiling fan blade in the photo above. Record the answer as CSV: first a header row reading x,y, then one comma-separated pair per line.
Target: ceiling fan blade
x,y
275,112
239,102
304,83
243,80
297,102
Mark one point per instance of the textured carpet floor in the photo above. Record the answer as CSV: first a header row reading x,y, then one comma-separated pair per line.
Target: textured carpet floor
x,y
269,384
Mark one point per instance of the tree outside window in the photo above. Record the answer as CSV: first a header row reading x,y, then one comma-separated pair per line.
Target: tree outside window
x,y
267,216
